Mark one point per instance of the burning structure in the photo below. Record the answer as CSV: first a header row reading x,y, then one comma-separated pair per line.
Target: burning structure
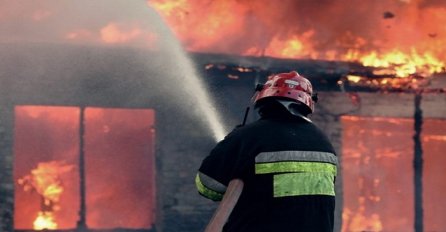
x,y
100,128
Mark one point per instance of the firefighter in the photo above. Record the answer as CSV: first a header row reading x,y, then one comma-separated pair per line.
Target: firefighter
x,y
287,165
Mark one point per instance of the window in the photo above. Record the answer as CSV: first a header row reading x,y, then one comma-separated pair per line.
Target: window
x,y
119,167
378,176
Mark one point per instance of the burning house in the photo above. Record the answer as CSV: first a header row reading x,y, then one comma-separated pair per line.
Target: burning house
x,y
104,119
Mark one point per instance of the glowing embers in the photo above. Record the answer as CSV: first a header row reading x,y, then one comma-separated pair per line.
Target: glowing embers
x,y
118,145
46,180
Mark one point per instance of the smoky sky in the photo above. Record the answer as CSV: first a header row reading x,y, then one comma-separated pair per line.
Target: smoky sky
x,y
60,21
100,23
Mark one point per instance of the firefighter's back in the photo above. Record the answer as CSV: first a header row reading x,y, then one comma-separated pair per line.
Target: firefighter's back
x,y
288,167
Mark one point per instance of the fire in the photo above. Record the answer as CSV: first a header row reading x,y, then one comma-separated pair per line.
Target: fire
x,y
404,64
359,219
398,39
45,220
169,7
295,46
46,181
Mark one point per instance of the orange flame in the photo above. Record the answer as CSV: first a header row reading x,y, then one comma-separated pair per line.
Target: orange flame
x,y
403,42
402,64
45,220
359,220
46,181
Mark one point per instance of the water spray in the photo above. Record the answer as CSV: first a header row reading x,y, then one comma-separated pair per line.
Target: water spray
x,y
191,78
204,102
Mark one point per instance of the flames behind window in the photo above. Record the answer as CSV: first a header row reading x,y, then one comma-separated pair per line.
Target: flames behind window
x,y
119,167
377,166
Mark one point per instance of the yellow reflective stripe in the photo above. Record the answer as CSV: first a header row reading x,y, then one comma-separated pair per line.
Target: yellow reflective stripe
x,y
211,183
207,192
297,184
293,166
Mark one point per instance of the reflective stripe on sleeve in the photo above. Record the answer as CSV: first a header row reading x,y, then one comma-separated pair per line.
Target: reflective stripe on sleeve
x,y
209,187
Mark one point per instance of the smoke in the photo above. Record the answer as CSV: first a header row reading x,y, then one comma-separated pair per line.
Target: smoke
x,y
80,21
97,53
110,24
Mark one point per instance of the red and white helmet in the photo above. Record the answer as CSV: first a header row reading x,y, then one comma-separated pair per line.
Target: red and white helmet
x,y
288,86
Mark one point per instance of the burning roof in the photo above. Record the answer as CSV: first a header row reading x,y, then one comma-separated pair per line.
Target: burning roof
x,y
397,44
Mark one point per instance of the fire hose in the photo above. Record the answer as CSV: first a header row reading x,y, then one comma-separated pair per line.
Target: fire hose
x,y
230,198
226,206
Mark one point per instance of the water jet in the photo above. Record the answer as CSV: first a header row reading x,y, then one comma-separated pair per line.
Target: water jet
x,y
191,82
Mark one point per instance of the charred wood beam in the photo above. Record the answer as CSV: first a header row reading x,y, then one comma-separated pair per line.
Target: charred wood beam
x,y
6,166
418,164
222,70
82,222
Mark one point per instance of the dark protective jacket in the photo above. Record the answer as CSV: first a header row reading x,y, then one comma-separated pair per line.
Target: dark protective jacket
x,y
288,167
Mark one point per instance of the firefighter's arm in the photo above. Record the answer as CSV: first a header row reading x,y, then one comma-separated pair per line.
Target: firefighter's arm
x,y
226,206
209,187
217,169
